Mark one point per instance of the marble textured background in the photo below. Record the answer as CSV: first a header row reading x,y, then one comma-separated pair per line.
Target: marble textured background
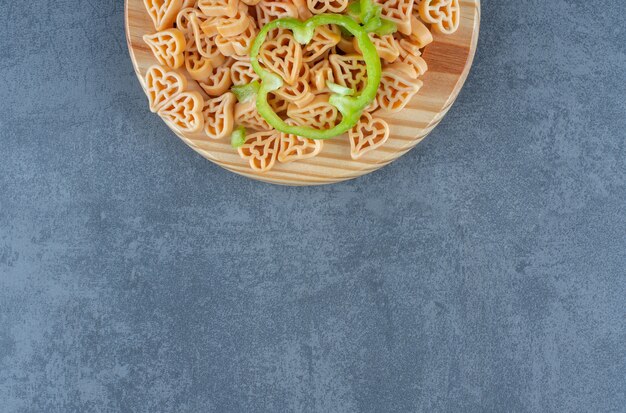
x,y
482,272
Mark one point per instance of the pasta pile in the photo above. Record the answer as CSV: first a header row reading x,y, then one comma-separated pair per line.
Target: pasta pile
x,y
211,41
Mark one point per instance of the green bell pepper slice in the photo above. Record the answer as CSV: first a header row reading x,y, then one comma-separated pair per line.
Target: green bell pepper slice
x,y
350,107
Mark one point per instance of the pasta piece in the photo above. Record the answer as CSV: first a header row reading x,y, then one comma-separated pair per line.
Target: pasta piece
x,y
372,107
417,64
396,89
205,45
189,3
399,12
198,67
295,148
219,116
168,47
247,116
345,45
162,86
349,71
163,12
261,149
303,10
277,103
184,112
318,114
283,56
444,15
321,73
368,134
268,10
242,73
218,7
209,25
232,26
243,41
183,20
251,2
420,36
300,92
324,38
218,81
386,46
327,6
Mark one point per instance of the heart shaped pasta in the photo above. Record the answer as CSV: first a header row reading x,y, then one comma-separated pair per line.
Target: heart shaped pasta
x,y
218,7
183,20
242,73
321,73
327,6
444,15
162,86
163,12
318,114
218,81
268,10
300,92
198,66
386,45
247,116
399,12
261,149
168,47
349,70
184,112
232,26
283,55
396,89
370,133
324,38
296,148
219,116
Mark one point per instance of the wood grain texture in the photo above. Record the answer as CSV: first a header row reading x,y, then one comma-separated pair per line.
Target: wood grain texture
x,y
449,59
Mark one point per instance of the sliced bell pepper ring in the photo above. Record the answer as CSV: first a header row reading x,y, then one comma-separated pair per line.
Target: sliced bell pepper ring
x,y
350,107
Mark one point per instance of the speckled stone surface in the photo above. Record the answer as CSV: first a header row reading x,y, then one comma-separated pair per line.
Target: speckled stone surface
x,y
482,272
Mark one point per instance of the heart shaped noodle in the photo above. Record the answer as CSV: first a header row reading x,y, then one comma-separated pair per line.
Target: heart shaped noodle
x,y
163,12
218,81
162,86
168,47
261,149
198,67
283,55
386,45
184,112
268,10
368,134
219,116
247,116
444,15
396,89
349,70
324,38
398,12
242,73
318,114
327,6
218,7
295,148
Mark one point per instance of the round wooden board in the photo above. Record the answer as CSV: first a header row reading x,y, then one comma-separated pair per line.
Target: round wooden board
x,y
449,60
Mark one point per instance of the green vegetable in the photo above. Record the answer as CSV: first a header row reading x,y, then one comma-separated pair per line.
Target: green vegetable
x,y
338,89
238,137
350,107
246,92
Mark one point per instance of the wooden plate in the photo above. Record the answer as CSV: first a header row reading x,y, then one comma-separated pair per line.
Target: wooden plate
x,y
449,60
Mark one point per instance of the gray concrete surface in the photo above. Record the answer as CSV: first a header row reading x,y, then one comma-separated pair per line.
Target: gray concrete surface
x,y
482,272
